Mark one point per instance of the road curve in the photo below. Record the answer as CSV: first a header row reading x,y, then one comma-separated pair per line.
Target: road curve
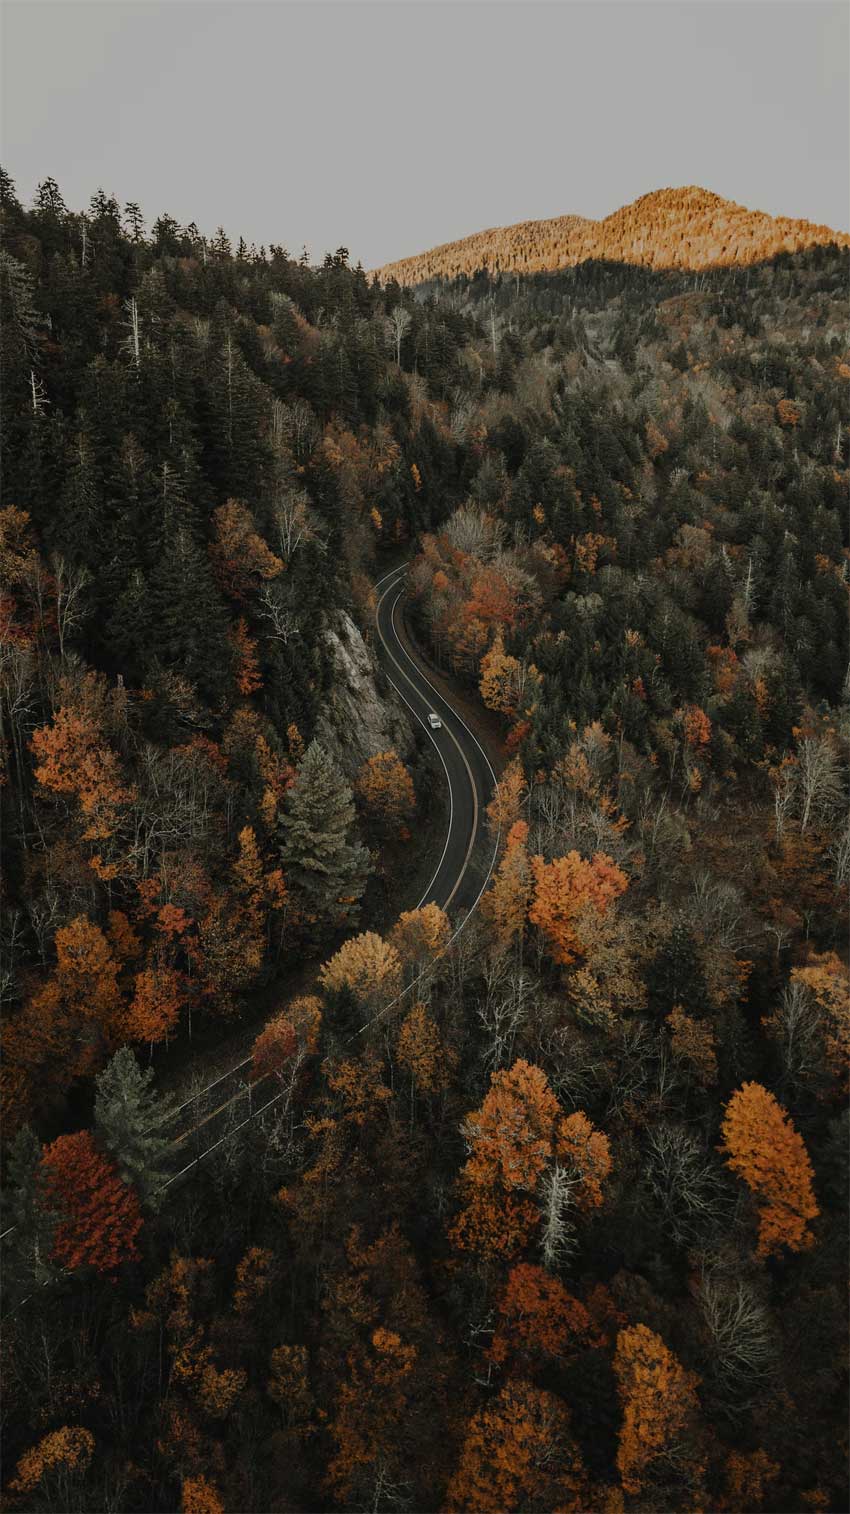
x,y
464,860
463,867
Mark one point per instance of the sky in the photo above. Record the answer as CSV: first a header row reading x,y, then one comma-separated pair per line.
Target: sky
x,y
391,127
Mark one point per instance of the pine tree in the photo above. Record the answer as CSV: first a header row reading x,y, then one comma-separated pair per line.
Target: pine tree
x,y
129,1117
189,621
324,868
29,1224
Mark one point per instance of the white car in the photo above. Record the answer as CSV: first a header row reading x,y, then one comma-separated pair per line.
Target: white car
x,y
434,721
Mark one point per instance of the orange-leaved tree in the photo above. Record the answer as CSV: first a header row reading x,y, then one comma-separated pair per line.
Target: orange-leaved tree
x,y
506,902
385,789
565,887
99,1215
87,971
519,1453
371,1407
58,1462
422,1051
420,935
63,1028
660,1410
247,667
73,757
368,967
538,1317
240,558
154,1010
761,1145
748,1475
200,1496
288,1039
501,679
585,1153
503,811
43,1052
259,892
518,1133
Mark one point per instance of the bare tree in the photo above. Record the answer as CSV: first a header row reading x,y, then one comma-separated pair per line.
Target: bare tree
x,y
38,394
132,342
503,1011
821,788
742,1339
291,511
558,1236
840,853
294,426
70,585
685,1182
718,909
795,1030
281,621
475,532
784,781
400,321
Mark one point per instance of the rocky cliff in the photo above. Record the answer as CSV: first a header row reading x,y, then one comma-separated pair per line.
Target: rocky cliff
x,y
363,715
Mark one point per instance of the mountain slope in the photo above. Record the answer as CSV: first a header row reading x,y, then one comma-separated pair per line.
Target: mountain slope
x,y
670,228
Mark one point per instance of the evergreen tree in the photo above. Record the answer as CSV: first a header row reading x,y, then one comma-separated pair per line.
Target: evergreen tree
x,y
188,620
28,1224
321,864
129,1117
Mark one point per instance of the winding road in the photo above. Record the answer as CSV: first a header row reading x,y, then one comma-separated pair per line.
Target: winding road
x,y
464,860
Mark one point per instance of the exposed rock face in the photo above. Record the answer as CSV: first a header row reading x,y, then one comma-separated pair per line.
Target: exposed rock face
x,y
363,715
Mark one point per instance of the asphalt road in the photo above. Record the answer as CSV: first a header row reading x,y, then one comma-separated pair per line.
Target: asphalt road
x,y
464,856
463,862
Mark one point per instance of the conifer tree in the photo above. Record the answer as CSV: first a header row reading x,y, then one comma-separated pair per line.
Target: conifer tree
x,y
189,622
325,869
27,1221
129,1117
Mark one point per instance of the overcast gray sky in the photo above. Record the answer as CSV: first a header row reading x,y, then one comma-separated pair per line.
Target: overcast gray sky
x,y
391,127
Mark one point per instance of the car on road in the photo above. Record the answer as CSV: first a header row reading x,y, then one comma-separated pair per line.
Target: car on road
x,y
434,721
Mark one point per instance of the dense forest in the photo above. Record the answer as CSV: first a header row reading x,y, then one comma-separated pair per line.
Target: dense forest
x,y
669,228
550,1215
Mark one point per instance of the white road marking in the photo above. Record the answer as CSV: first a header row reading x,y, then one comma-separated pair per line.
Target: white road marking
x,y
246,1089
426,728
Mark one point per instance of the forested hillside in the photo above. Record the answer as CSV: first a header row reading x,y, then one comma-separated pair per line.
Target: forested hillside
x,y
563,1227
670,228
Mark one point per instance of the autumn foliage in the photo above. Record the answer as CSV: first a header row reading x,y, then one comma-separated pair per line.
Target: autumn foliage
x,y
659,1405
154,1010
419,935
199,1496
515,1135
668,228
538,1317
565,887
761,1145
99,1215
367,967
73,757
57,1456
506,902
518,1453
288,1039
385,789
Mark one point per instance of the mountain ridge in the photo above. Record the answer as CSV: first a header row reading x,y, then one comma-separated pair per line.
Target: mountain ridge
x,y
686,227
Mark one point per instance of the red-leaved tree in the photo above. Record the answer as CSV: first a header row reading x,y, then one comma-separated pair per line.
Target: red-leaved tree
x,y
99,1215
